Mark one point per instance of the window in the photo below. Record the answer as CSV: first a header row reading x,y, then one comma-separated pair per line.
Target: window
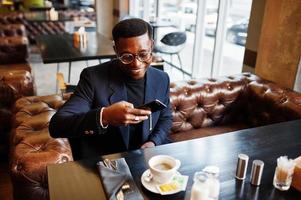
x,y
216,33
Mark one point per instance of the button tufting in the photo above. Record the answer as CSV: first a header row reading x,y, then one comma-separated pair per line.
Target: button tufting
x,y
19,167
212,80
186,92
64,159
192,82
283,100
229,87
208,89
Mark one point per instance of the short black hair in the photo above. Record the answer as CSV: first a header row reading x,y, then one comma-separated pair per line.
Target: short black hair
x,y
131,28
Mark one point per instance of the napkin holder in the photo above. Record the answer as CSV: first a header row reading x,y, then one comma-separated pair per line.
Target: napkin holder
x,y
114,179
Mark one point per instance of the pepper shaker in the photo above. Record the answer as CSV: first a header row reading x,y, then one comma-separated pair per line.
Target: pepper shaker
x,y
256,173
242,164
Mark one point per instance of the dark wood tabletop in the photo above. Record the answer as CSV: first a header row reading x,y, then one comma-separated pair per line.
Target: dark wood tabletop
x,y
80,179
61,48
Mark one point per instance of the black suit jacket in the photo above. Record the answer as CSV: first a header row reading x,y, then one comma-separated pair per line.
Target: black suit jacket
x,y
103,85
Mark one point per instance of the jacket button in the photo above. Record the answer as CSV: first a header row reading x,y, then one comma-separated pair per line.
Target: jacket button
x,y
91,132
86,132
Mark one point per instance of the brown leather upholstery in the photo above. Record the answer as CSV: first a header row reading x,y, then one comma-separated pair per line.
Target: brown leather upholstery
x,y
21,81
18,66
73,14
6,118
32,148
33,29
13,85
13,49
201,108
12,30
11,18
243,100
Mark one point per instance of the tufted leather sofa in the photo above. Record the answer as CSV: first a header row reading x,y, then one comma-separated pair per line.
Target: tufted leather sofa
x,y
200,108
13,49
11,18
12,30
212,106
73,14
16,79
13,85
32,148
13,44
33,29
36,28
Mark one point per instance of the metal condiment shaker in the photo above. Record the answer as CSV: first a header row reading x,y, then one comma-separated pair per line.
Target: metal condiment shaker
x,y
256,173
241,168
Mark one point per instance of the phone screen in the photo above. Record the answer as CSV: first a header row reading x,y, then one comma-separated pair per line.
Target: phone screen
x,y
154,106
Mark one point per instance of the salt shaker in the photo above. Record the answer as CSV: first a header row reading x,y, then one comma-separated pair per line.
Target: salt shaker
x,y
213,181
256,173
200,189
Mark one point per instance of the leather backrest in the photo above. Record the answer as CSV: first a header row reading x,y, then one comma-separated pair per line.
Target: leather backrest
x,y
242,98
13,49
12,30
32,148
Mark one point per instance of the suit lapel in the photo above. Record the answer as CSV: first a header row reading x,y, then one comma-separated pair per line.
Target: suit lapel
x,y
118,93
150,94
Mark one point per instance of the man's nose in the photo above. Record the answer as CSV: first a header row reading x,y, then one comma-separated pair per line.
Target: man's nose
x,y
137,62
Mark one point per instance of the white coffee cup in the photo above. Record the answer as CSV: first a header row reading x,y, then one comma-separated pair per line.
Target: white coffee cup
x,y
163,168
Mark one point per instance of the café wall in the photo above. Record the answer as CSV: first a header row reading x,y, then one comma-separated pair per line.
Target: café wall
x,y
274,40
109,13
104,17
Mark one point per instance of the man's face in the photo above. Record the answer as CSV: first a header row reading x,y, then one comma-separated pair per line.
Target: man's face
x,y
140,48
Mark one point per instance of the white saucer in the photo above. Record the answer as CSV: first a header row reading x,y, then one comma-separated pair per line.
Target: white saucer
x,y
151,185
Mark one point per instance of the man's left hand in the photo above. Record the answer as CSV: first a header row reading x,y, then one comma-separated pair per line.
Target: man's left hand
x,y
148,145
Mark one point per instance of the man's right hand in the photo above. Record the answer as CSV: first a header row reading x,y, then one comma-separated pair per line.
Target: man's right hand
x,y
123,113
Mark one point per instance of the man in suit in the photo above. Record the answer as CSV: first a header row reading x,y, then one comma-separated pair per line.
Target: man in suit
x,y
101,116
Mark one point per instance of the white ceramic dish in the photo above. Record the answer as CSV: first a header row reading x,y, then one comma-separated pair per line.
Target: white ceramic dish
x,y
151,185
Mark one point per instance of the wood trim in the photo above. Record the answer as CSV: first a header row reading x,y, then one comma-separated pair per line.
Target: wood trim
x,y
250,58
116,12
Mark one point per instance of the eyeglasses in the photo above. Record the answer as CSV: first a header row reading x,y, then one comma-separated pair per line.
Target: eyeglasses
x,y
128,58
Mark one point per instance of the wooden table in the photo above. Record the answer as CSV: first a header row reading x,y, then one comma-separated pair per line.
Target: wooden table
x,y
80,179
61,48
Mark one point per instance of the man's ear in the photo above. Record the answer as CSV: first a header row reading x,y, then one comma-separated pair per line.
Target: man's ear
x,y
152,44
114,47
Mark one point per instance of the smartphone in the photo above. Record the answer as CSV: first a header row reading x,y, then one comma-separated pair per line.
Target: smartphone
x,y
154,106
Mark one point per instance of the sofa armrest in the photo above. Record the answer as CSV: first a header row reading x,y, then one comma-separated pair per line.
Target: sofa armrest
x,y
13,49
32,148
269,103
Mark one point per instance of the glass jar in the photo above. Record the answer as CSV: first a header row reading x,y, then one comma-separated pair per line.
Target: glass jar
x,y
200,190
213,181
283,173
